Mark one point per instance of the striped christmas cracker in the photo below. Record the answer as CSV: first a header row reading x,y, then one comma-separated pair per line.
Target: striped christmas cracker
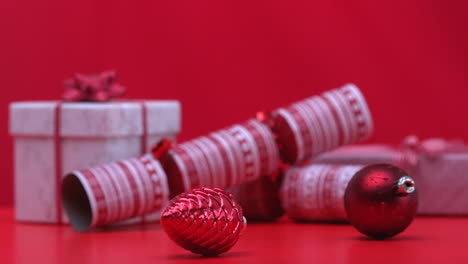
x,y
114,192
228,157
321,123
316,192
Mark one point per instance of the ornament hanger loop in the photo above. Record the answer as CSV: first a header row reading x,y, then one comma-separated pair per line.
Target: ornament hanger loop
x,y
405,185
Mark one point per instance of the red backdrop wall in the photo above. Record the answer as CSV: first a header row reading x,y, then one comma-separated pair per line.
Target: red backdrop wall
x,y
226,60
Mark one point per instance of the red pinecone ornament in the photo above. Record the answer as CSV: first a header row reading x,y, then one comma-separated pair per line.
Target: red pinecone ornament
x,y
381,200
206,221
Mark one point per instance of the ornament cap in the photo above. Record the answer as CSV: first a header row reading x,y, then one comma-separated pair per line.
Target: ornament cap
x,y
405,186
244,224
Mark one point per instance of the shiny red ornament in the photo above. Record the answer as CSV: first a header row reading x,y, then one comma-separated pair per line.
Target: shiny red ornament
x,y
381,200
206,221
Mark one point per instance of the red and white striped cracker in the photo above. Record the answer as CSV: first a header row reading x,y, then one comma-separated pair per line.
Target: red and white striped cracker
x,y
298,132
289,191
330,117
123,189
255,138
250,152
149,172
147,189
315,120
182,168
321,123
326,121
309,128
261,145
265,141
331,130
102,192
340,115
272,153
316,192
140,190
234,148
307,136
215,159
360,109
115,192
230,156
348,113
199,170
112,188
96,196
288,133
135,185
199,162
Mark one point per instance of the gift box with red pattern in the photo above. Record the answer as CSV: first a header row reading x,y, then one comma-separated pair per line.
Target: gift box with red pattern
x,y
52,138
438,166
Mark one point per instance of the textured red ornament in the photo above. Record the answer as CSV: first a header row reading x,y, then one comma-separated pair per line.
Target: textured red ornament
x,y
206,221
381,200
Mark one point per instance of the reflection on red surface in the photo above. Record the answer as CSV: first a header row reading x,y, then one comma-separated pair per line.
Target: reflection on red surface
x,y
427,240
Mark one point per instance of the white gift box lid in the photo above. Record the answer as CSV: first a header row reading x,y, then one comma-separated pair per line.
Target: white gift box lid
x,y
91,119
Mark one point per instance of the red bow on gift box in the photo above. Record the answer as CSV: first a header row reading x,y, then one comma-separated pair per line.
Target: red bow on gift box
x,y
93,88
412,147
433,146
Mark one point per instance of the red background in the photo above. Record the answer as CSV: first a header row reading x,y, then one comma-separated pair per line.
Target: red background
x,y
225,60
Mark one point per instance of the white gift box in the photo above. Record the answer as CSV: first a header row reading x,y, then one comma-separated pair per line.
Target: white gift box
x,y
86,135
438,166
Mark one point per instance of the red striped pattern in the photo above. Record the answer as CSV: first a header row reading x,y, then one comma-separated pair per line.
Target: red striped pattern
x,y
322,123
316,192
228,157
125,189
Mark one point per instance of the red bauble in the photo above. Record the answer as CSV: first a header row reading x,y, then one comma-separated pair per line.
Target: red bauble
x,y
206,221
381,200
259,199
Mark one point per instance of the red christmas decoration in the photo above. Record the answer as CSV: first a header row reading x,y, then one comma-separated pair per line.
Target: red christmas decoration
x,y
315,192
228,157
321,123
259,199
206,221
93,88
381,200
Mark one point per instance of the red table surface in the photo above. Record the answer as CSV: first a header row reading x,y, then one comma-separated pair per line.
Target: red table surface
x,y
427,240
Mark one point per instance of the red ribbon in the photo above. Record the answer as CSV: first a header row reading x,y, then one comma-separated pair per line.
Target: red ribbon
x,y
58,161
89,88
